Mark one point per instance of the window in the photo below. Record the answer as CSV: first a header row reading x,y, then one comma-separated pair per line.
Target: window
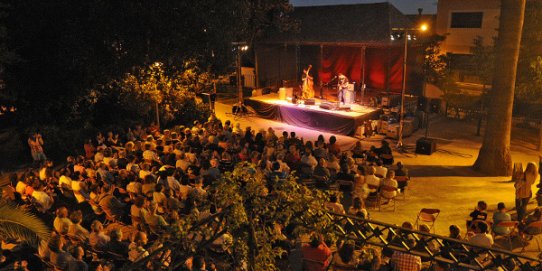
x,y
467,19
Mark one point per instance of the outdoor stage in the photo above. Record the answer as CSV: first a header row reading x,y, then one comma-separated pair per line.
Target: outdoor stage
x,y
342,122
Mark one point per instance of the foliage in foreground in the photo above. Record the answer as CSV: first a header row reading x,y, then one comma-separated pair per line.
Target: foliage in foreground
x,y
18,224
261,206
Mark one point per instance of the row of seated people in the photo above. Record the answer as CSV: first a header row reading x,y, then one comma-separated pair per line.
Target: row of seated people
x,y
145,182
502,224
349,255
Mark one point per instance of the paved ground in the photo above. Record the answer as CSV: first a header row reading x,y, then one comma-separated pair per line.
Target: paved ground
x,y
443,180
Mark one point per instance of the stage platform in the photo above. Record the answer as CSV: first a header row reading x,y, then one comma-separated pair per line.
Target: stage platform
x,y
342,122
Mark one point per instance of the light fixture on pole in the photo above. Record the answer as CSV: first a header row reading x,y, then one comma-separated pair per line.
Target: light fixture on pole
x,y
406,37
241,46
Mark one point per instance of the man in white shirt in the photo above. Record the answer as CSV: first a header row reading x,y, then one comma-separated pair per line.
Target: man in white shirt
x,y
481,236
372,180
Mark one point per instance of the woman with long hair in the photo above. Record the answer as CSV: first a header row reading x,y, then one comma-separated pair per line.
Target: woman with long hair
x,y
523,189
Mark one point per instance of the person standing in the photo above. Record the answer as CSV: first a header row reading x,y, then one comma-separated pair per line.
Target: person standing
x,y
35,142
342,88
523,189
307,89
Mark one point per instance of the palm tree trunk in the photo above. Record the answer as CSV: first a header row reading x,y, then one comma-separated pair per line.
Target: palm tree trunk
x,y
494,157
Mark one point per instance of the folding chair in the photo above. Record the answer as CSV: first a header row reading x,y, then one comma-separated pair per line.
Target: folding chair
x,y
429,216
512,226
533,230
402,182
373,196
390,189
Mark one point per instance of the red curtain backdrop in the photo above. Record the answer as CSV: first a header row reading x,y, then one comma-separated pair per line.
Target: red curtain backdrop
x,y
345,60
378,63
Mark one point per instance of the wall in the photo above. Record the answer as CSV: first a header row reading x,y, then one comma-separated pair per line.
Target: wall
x,y
459,40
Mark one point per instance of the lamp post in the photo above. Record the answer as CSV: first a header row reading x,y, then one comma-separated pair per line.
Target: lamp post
x,y
406,37
241,46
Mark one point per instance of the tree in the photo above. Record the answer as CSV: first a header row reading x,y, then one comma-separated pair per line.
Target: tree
x,y
258,205
20,225
529,74
494,157
482,66
70,47
156,89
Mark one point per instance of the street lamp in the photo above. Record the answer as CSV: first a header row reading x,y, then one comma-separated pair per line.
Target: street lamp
x,y
241,46
406,37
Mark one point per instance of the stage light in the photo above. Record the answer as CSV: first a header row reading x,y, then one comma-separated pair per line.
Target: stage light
x,y
392,37
424,27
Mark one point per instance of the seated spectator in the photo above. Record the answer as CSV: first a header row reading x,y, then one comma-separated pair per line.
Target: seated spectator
x,y
116,246
431,244
42,199
357,151
198,264
333,205
137,249
159,198
479,214
405,261
380,170
316,254
345,174
385,153
276,173
214,171
333,164
58,257
321,172
372,180
499,216
109,204
358,209
455,232
333,147
75,229
346,258
154,220
390,182
319,150
97,238
77,263
481,236
360,188
534,217
62,223
401,170
308,159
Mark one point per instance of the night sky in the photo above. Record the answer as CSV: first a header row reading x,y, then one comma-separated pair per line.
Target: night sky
x,y
406,6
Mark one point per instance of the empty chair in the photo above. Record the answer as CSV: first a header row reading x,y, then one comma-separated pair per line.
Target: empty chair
x,y
512,230
429,216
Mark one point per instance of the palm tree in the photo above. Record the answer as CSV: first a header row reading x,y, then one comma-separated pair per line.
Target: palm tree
x,y
21,225
494,157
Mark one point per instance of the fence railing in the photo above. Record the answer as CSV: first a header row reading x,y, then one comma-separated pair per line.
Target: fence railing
x,y
455,253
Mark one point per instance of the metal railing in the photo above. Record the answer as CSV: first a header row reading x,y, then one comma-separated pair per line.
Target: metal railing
x,y
455,253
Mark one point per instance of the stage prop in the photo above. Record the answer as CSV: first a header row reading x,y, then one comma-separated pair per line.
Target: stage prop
x,y
314,116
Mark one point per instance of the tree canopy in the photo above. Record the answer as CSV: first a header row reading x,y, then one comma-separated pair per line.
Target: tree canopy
x,y
68,47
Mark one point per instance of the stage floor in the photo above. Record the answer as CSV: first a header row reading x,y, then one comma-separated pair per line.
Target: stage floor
x,y
343,122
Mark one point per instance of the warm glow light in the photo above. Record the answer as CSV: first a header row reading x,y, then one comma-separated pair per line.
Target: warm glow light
x,y
424,27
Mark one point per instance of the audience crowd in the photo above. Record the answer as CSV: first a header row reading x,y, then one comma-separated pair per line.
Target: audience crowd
x,y
108,206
